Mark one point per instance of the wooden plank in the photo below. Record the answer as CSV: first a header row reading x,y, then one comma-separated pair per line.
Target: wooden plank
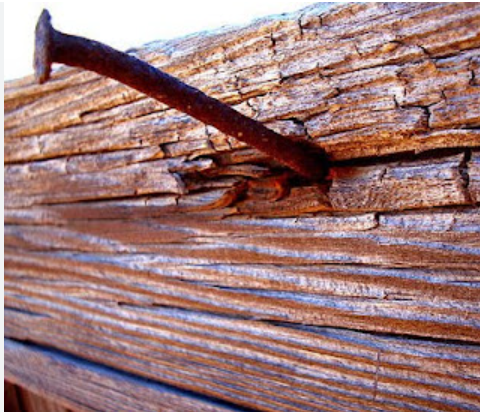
x,y
389,76
84,386
145,241
362,104
268,366
232,263
185,306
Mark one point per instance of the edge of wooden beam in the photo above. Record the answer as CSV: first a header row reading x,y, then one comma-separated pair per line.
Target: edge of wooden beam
x,y
86,386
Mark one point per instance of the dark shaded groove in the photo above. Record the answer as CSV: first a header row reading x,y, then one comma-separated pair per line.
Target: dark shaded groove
x,y
20,398
180,309
134,379
464,171
408,155
387,335
25,312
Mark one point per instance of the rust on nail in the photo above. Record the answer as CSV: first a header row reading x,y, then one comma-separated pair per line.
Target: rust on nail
x,y
52,46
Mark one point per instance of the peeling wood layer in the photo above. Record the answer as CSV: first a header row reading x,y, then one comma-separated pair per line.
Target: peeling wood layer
x,y
387,186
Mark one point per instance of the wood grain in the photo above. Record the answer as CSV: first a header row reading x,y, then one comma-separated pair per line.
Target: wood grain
x,y
389,74
197,262
31,402
140,239
83,386
11,397
474,183
204,351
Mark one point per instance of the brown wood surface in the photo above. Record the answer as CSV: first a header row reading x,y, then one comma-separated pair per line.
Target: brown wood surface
x,y
11,397
143,240
18,399
83,386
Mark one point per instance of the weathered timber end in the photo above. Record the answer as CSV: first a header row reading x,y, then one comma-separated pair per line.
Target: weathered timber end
x,y
152,262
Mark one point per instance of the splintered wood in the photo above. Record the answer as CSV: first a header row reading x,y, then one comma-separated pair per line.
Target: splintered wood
x,y
152,253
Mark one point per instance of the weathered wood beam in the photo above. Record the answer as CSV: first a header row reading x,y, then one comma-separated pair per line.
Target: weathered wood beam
x,y
143,240
84,386
361,272
385,84
264,365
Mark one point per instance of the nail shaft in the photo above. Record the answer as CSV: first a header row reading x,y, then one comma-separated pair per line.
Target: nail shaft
x,y
52,46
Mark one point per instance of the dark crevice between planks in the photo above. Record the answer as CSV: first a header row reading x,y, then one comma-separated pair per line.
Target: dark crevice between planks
x,y
320,330
409,155
26,312
463,169
68,358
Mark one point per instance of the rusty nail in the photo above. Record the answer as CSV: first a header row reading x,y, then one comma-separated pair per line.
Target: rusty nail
x,y
52,46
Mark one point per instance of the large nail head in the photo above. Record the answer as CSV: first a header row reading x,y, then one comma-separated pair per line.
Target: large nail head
x,y
43,57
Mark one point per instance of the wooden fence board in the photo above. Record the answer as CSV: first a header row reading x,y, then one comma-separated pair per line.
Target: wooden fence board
x,y
141,239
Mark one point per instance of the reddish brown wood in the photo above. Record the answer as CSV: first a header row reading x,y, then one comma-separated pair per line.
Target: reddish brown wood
x,y
83,386
18,399
143,240
11,398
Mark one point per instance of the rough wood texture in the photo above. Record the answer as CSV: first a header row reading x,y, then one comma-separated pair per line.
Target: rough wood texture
x,y
83,386
143,240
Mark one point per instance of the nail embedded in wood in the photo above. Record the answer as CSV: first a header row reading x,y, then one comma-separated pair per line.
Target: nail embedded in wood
x,y
52,46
